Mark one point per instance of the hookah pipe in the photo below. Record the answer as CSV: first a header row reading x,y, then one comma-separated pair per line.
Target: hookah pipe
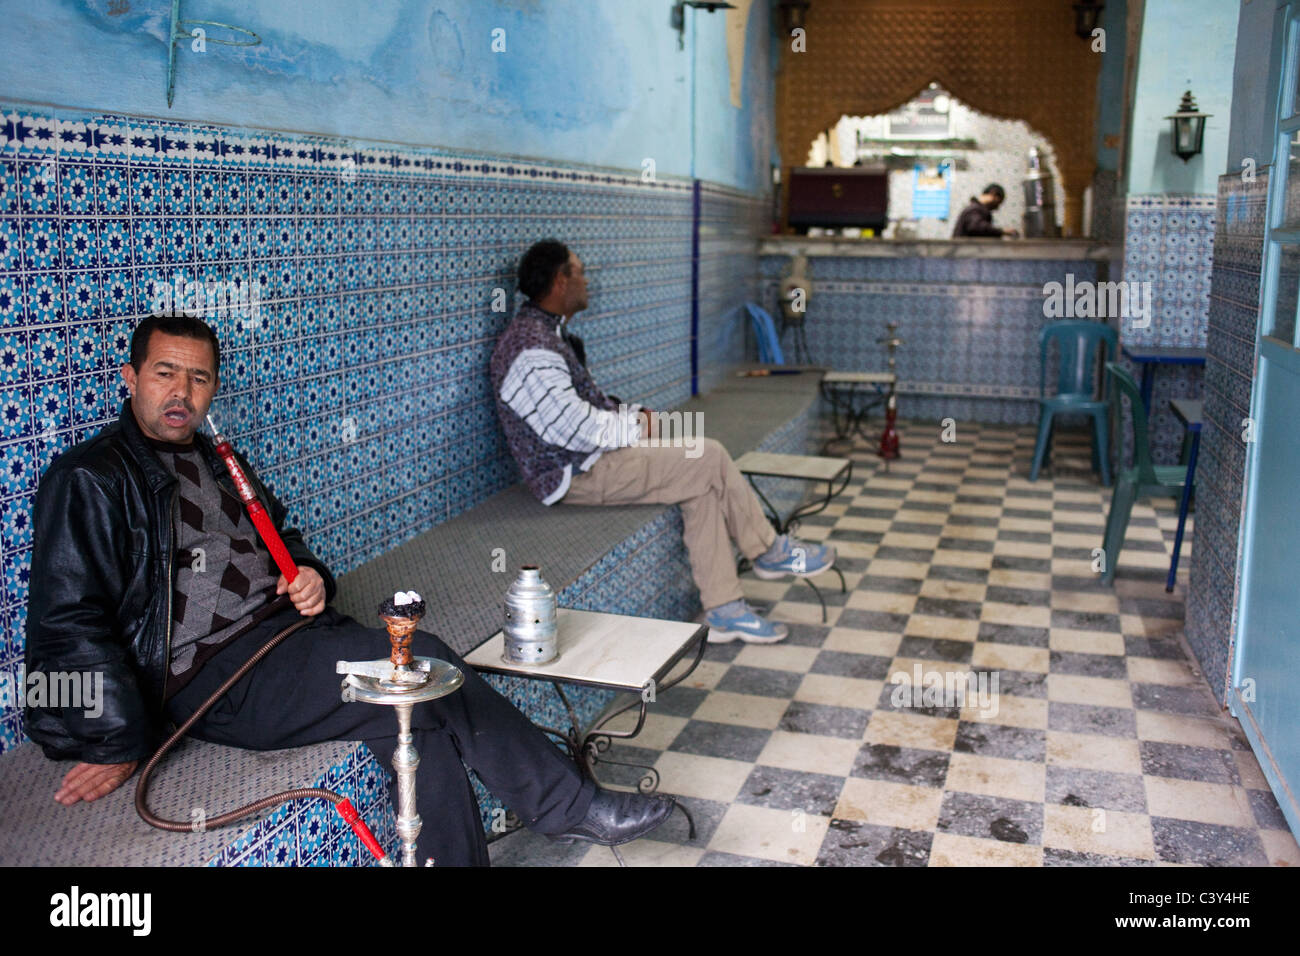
x,y
888,449
261,520
271,537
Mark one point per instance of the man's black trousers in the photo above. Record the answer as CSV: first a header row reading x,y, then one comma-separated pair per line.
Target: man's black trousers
x,y
293,698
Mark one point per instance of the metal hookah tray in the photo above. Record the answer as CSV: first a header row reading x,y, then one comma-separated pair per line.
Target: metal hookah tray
x,y
379,682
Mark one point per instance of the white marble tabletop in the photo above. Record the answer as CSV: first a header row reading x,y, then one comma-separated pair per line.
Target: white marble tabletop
x,y
808,467
598,649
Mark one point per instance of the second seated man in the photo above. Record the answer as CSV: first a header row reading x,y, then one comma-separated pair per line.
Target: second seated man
x,y
573,443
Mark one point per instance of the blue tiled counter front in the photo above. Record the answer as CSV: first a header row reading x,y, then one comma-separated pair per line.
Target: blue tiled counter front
x,y
969,314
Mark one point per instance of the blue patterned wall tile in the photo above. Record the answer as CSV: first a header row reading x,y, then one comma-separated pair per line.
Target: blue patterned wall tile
x,y
374,267
139,197
1169,243
1232,321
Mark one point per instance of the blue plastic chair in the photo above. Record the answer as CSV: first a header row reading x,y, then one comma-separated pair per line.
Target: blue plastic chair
x,y
1075,391
769,346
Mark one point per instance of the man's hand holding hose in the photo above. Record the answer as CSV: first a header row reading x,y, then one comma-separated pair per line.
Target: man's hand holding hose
x,y
307,591
304,585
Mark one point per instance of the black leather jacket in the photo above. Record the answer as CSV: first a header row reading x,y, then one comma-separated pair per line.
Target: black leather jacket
x,y
101,588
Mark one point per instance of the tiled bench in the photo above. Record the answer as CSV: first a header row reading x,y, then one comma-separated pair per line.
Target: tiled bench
x,y
619,560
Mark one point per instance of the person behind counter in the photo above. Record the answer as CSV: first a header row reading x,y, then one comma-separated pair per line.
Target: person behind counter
x,y
977,218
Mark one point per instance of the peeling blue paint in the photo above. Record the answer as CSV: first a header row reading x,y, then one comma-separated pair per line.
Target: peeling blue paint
x,y
590,81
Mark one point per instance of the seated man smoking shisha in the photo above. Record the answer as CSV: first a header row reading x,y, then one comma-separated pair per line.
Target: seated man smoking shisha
x,y
574,443
117,586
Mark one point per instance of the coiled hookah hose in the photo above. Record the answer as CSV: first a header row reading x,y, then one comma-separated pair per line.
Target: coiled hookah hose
x,y
265,528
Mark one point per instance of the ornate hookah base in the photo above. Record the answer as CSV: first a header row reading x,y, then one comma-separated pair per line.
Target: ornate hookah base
x,y
401,682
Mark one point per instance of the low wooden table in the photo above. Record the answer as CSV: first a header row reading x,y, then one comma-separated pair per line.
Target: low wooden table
x,y
613,652
836,472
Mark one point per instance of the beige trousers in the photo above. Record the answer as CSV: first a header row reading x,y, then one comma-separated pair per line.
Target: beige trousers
x,y
718,506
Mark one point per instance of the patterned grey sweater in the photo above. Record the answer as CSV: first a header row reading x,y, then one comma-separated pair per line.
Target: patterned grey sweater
x,y
224,580
554,415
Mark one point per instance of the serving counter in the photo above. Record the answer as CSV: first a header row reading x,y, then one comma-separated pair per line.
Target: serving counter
x,y
969,312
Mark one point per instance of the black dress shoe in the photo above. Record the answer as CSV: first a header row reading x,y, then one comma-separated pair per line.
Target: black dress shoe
x,y
615,818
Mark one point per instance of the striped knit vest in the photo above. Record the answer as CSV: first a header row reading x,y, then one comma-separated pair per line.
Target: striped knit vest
x,y
542,465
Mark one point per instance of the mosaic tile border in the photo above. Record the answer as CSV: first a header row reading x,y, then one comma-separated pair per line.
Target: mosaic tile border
x,y
25,133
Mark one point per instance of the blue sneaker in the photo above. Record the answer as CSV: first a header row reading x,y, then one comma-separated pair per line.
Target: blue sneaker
x,y
739,620
788,555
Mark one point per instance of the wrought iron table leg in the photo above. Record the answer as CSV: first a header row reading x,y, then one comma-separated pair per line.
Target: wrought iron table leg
x,y
849,418
817,591
690,820
587,750
841,426
772,514
1184,503
783,525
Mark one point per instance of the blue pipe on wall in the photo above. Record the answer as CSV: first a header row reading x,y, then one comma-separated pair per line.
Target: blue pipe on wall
x,y
695,287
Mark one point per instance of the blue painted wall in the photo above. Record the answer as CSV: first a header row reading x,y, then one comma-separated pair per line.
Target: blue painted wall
x,y
1170,204
1251,134
1186,44
599,82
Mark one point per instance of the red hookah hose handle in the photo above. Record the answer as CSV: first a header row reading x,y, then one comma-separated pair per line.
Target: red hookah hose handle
x,y
358,825
261,520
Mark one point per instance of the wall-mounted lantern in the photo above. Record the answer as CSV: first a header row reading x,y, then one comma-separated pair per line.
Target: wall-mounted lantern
x,y
794,13
678,19
1086,17
1187,128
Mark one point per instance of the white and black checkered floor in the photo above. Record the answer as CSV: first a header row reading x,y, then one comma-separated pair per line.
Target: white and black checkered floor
x,y
1102,747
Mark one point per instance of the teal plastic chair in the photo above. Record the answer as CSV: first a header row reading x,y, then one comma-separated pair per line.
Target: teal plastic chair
x,y
1143,480
1074,388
